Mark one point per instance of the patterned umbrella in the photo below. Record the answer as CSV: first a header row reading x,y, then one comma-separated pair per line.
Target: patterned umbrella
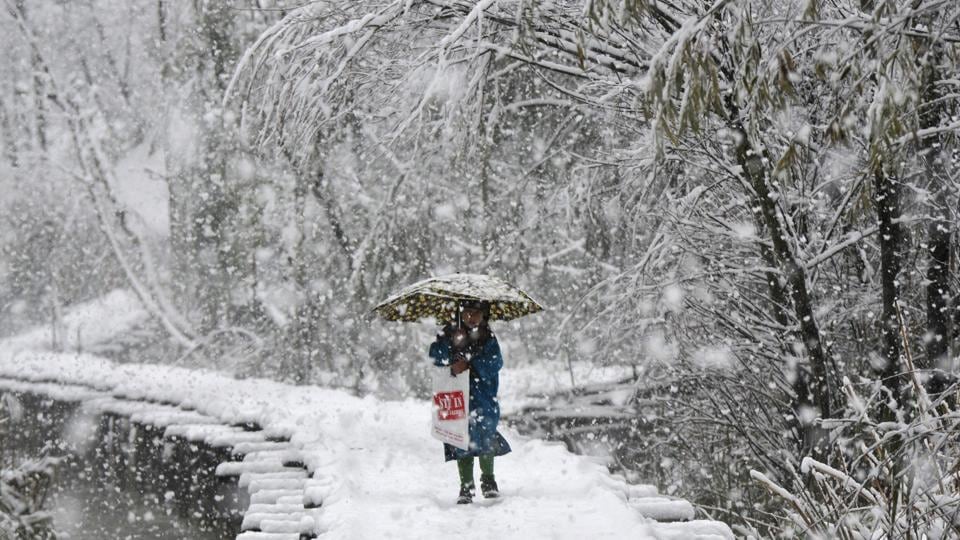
x,y
438,297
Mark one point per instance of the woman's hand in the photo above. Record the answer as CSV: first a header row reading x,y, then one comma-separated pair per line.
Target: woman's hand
x,y
459,367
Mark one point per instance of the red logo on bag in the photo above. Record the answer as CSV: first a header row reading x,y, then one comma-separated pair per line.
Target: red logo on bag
x,y
450,405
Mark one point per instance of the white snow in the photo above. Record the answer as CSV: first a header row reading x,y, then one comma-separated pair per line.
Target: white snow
x,y
374,465
140,186
87,324
522,386
673,298
719,357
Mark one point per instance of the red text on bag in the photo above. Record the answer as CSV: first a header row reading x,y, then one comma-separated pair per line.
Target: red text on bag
x,y
450,405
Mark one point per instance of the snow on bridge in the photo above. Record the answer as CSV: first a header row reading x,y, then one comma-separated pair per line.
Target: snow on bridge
x,y
327,463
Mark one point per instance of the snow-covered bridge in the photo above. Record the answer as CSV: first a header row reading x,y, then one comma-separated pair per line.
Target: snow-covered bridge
x,y
308,461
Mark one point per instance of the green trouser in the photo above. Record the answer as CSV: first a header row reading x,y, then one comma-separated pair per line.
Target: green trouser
x,y
465,466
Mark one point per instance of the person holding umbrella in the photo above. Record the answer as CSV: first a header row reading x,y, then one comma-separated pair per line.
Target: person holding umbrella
x,y
466,303
470,345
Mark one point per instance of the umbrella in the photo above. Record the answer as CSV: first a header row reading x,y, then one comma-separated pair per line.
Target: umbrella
x,y
439,297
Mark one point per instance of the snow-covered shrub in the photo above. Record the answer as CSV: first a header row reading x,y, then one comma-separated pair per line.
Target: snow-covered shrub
x,y
23,493
24,486
894,474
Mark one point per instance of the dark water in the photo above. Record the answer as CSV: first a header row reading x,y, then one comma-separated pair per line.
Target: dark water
x,y
87,509
117,481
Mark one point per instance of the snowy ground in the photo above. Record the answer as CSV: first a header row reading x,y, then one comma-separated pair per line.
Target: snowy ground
x,y
85,325
525,386
380,473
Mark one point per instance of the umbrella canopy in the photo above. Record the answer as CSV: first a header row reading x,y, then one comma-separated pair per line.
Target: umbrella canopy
x,y
438,297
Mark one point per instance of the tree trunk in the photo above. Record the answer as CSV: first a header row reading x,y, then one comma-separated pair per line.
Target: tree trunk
x,y
303,324
817,388
888,212
201,201
9,142
39,87
940,229
162,20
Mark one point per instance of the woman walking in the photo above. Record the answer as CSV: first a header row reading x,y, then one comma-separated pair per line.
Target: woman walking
x,y
472,346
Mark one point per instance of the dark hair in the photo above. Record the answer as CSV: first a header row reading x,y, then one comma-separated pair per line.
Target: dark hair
x,y
479,305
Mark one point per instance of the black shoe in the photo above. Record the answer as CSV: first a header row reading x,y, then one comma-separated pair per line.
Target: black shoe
x,y
466,494
488,486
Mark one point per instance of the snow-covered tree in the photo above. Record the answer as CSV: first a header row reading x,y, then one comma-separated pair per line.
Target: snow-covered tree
x,y
798,132
764,183
752,203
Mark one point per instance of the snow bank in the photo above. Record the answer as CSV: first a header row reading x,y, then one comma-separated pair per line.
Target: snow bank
x,y
524,386
87,324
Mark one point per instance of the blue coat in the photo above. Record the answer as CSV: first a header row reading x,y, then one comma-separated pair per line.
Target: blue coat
x,y
485,367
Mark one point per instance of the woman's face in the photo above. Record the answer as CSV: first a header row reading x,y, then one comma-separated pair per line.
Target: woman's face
x,y
472,317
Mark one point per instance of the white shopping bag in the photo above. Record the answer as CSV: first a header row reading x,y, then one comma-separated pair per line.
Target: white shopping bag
x,y
451,407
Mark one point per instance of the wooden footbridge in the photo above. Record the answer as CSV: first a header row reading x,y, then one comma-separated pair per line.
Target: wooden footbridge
x,y
238,480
